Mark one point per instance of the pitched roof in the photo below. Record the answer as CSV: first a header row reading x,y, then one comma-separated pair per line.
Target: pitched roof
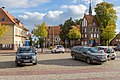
x,y
90,19
13,20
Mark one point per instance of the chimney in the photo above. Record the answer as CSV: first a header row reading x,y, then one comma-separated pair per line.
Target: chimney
x,y
3,7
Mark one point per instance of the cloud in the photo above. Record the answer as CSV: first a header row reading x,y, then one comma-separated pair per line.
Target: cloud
x,y
53,17
22,3
75,11
75,1
117,31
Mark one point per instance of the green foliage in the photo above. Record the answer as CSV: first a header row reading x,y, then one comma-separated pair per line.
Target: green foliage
x,y
74,33
65,28
106,17
3,29
41,31
78,21
105,14
108,33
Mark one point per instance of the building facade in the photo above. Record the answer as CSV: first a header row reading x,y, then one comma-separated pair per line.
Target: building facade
x,y
90,29
116,40
53,37
16,35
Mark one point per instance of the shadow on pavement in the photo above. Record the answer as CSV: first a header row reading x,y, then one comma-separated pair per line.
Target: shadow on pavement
x,y
7,64
64,62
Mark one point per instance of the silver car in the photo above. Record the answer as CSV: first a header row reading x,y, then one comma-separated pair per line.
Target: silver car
x,y
109,51
58,48
26,55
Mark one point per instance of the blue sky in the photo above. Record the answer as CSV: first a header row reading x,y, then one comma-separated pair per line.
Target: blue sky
x,y
53,12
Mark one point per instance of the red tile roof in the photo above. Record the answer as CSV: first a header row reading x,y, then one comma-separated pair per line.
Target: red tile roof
x,y
13,20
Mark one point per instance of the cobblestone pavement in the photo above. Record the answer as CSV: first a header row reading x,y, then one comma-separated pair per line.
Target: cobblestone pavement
x,y
58,67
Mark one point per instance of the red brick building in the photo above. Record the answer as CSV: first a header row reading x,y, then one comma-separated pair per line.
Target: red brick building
x,y
116,40
90,29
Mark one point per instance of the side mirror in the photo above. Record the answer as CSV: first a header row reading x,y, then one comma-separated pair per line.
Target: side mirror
x,y
35,51
102,51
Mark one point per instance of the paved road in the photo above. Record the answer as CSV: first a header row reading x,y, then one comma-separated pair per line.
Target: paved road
x,y
58,67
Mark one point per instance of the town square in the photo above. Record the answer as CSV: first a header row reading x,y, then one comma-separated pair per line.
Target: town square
x,y
59,40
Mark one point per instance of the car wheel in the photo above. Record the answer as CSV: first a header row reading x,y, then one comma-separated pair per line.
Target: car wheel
x,y
88,60
34,63
112,58
73,57
62,52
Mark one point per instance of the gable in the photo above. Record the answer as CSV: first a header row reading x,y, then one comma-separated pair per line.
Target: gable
x,y
4,18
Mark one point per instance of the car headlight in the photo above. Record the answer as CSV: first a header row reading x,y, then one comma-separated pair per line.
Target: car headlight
x,y
33,57
18,57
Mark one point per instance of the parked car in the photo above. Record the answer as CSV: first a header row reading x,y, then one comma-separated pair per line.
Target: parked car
x,y
108,50
117,48
25,55
58,48
88,54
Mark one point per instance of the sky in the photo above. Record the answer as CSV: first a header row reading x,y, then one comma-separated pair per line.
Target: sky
x,y
53,12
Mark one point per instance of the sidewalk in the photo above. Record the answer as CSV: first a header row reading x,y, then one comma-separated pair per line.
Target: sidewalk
x,y
6,51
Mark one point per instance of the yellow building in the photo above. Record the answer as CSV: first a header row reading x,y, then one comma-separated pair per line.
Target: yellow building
x,y
15,36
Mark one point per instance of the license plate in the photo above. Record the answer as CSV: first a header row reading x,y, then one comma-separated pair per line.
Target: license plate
x,y
26,60
102,59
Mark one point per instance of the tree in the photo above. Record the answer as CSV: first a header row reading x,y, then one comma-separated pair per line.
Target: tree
x,y
74,33
108,33
65,29
3,29
78,21
106,17
41,32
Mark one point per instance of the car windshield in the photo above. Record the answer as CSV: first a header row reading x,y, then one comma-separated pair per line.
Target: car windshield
x,y
59,46
26,50
94,50
109,50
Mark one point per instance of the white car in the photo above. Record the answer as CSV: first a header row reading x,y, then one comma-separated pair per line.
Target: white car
x,y
58,48
109,51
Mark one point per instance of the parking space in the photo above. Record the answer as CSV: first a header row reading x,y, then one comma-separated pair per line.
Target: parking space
x,y
58,67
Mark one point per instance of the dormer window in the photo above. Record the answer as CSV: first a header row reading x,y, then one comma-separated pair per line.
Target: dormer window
x,y
94,24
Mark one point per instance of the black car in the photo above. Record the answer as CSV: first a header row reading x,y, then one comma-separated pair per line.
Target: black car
x,y
117,48
88,54
26,55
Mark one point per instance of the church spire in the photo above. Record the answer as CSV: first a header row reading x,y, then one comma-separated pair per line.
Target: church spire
x,y
90,9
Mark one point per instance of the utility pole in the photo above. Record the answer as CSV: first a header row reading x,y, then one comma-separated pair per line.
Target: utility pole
x,y
53,35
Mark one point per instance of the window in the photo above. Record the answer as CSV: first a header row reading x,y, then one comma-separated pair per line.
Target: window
x,y
6,46
16,31
85,22
82,23
2,19
97,35
85,30
91,35
85,42
85,35
82,35
97,29
94,35
116,39
82,42
94,24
